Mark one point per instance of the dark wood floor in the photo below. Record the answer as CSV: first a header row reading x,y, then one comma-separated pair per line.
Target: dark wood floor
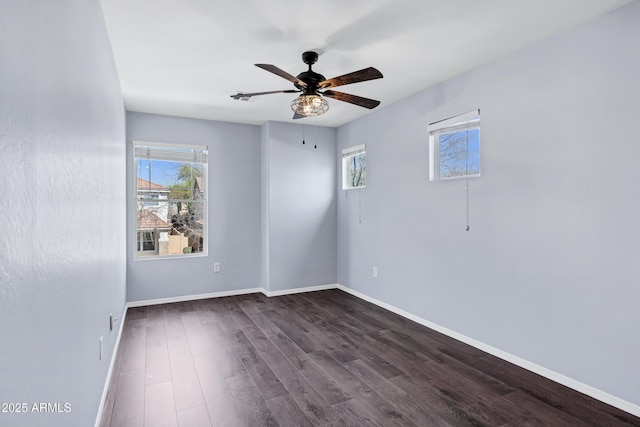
x,y
321,358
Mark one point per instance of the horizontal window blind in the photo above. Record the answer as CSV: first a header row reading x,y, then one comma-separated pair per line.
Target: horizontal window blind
x,y
353,151
463,121
159,151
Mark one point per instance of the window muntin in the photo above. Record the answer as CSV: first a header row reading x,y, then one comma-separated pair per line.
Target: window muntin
x,y
171,200
354,172
454,147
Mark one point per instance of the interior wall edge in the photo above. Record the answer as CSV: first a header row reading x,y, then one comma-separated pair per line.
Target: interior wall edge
x,y
300,290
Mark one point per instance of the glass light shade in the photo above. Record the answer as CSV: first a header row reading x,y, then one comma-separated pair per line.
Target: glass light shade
x,y
309,105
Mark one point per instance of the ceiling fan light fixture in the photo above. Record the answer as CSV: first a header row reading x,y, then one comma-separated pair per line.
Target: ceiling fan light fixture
x,y
310,105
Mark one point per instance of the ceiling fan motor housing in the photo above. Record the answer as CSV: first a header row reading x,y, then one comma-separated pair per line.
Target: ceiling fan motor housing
x,y
310,77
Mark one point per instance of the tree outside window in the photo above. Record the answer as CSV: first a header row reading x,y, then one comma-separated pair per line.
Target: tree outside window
x,y
354,171
459,153
454,147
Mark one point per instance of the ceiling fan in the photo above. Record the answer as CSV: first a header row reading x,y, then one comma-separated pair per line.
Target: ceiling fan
x,y
312,85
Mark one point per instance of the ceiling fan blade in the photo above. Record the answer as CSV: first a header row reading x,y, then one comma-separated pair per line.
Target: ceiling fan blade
x,y
241,95
278,72
353,99
355,77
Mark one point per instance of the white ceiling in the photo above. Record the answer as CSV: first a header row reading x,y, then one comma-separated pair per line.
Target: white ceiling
x,y
186,57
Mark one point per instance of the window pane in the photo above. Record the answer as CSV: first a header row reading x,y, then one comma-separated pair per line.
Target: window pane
x,y
170,227
152,219
357,175
459,153
165,179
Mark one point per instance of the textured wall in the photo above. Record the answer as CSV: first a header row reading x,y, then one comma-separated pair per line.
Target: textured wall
x,y
234,210
549,270
62,203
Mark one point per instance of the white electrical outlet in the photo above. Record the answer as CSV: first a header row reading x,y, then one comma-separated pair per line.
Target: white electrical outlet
x,y
375,271
111,321
216,267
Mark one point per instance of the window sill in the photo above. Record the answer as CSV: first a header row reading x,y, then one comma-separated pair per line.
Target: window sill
x,y
160,257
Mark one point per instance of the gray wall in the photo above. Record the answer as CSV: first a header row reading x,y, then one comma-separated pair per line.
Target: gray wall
x,y
62,209
234,210
272,208
299,206
549,270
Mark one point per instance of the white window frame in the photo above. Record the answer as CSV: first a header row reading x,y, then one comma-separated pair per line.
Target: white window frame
x,y
163,151
347,154
467,121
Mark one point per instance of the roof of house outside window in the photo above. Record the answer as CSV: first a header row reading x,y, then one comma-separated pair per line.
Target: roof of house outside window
x,y
144,185
148,220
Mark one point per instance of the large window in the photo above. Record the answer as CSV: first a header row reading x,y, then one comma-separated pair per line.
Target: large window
x,y
454,147
354,172
171,200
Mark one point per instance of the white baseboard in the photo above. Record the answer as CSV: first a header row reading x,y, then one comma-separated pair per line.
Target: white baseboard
x,y
193,297
530,366
111,365
298,290
267,293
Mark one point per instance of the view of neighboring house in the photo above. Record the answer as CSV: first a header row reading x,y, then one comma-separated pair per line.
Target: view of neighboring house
x,y
152,214
167,227
149,197
149,227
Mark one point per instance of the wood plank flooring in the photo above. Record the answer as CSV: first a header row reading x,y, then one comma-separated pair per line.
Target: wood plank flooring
x,y
321,359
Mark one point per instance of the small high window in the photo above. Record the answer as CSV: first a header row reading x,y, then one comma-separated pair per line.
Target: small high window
x,y
454,147
171,200
354,172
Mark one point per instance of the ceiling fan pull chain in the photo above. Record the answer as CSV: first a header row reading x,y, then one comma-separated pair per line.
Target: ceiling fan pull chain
x,y
466,166
467,205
